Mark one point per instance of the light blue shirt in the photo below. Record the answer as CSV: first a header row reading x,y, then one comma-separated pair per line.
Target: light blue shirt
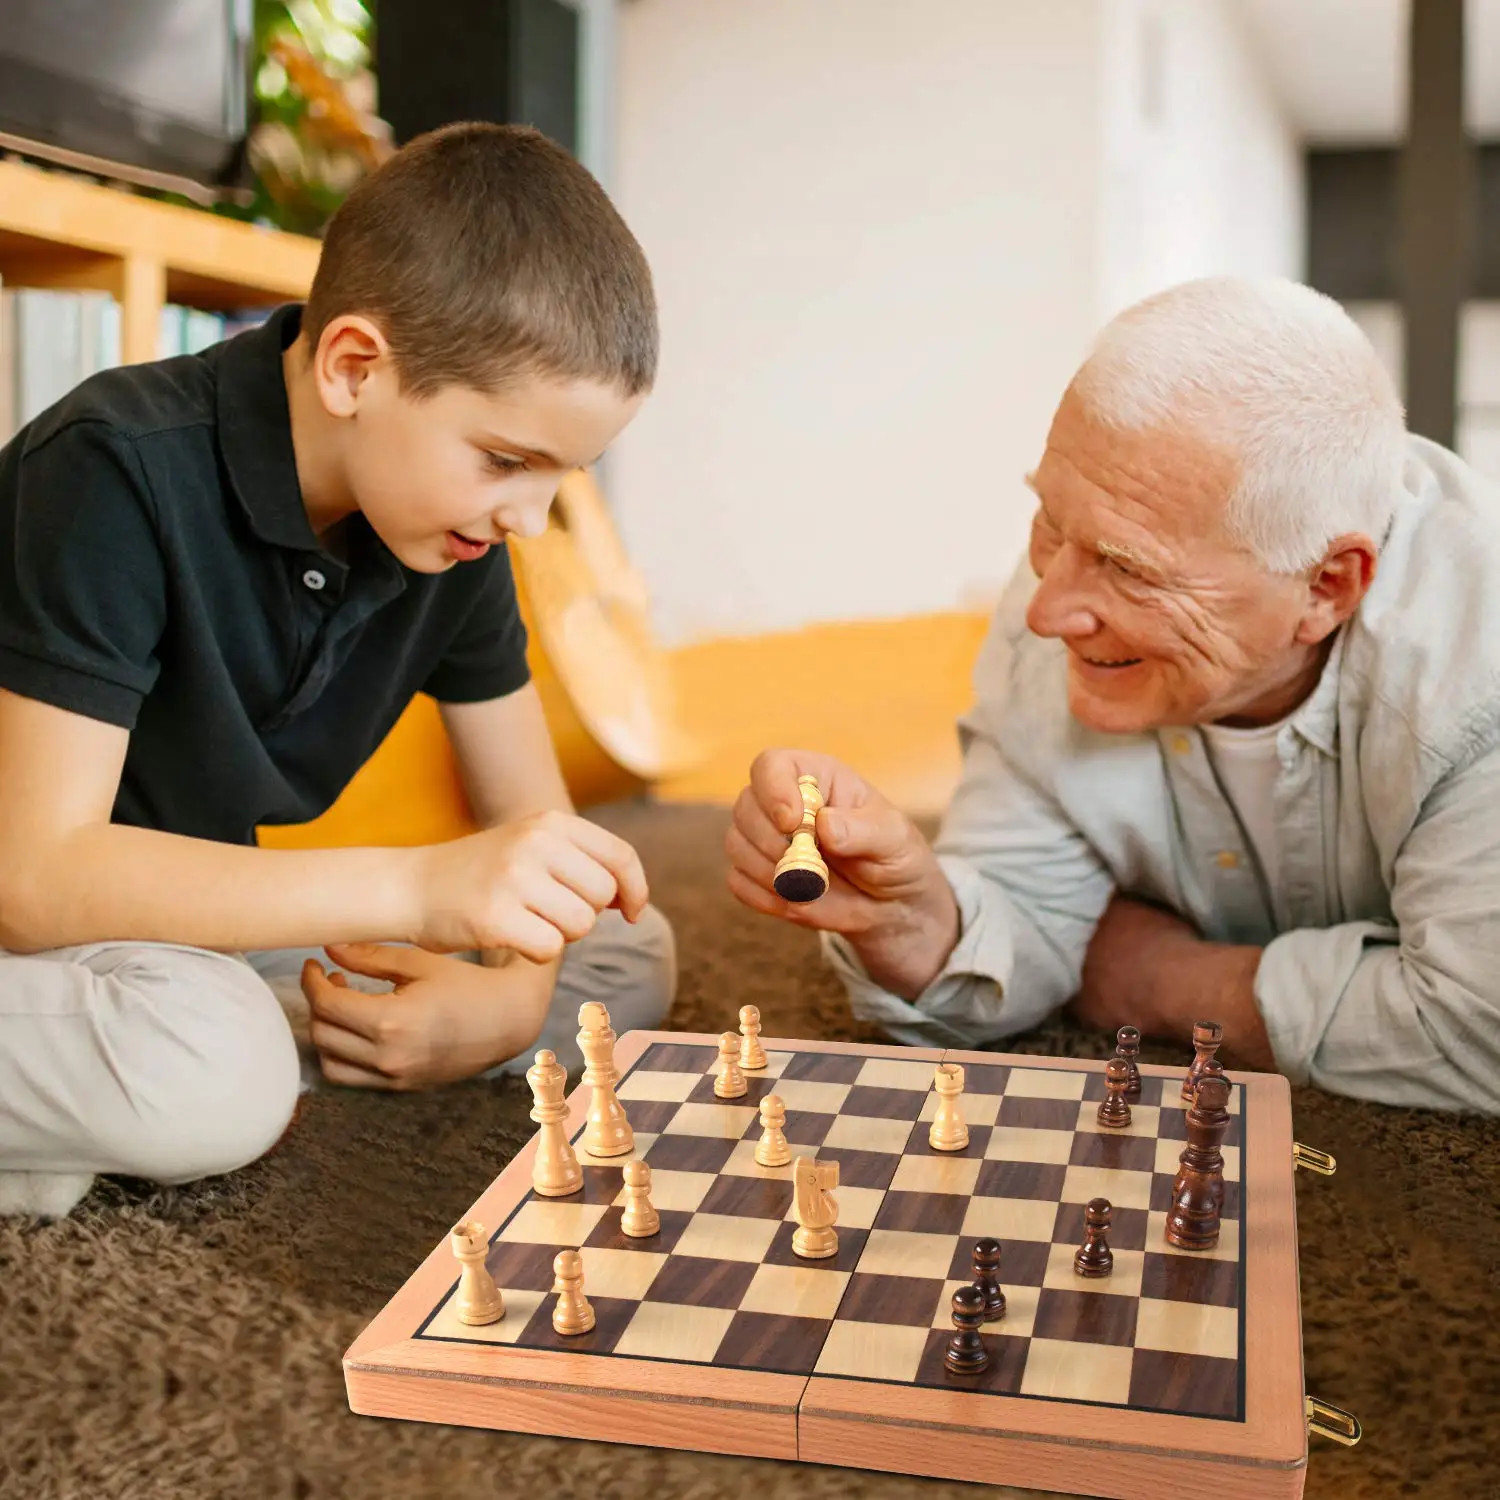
x,y
1380,976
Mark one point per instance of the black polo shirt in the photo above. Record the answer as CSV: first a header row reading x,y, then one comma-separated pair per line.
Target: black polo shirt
x,y
158,571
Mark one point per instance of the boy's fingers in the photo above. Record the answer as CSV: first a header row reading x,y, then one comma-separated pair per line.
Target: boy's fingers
x,y
381,960
346,1046
618,858
351,1076
349,1008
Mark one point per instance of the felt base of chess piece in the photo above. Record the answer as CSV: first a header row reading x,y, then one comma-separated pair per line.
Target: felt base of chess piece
x,y
815,1244
987,1278
801,882
966,1353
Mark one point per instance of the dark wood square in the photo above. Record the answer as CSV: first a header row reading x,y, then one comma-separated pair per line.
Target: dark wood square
x,y
1173,1127
1193,1384
756,1089
649,1116
1191,1278
923,1213
907,1300
1127,1229
1094,1089
1161,1196
1022,1262
824,1067
770,1341
921,1145
884,1104
675,1057
985,1078
611,1315
865,1169
1085,1317
698,1282
851,1247
1121,1153
528,1268
802,1128
688,1153
606,1233
1020,1179
1001,1377
749,1197
1039,1114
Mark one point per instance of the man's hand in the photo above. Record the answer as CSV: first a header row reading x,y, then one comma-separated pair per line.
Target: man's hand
x,y
886,892
445,1020
1148,968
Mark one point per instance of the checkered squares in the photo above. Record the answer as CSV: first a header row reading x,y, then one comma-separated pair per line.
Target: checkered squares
x,y
719,1283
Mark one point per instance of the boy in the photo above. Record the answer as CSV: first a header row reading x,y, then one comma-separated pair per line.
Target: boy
x,y
222,579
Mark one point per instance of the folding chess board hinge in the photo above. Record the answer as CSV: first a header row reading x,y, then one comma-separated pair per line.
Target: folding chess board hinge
x,y
1315,1161
1332,1422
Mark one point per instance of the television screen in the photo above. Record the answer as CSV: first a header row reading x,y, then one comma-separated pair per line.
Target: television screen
x,y
159,84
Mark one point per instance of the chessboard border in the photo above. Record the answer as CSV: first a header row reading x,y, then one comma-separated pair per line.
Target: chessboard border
x,y
865,1424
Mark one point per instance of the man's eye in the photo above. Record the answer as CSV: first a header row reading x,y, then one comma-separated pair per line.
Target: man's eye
x,y
1116,566
501,464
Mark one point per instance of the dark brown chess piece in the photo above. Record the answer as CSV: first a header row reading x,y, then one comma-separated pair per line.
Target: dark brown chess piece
x,y
1128,1046
966,1354
1198,1188
987,1278
1094,1257
1114,1113
1206,1038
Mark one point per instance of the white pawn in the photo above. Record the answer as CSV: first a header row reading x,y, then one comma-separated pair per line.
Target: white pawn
x,y
948,1132
478,1301
730,1084
772,1149
640,1217
752,1054
572,1313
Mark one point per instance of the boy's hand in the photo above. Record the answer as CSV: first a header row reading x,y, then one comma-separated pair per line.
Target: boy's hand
x,y
445,1020
531,886
886,891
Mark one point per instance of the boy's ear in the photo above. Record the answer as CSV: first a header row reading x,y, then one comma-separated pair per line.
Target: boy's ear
x,y
348,351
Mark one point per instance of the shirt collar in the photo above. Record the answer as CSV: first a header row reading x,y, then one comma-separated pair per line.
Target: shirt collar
x,y
1317,720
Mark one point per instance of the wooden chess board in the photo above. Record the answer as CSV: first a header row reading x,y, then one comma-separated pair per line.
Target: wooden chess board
x,y
1180,1372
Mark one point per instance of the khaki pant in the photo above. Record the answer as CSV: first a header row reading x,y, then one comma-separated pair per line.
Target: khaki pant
x,y
173,1063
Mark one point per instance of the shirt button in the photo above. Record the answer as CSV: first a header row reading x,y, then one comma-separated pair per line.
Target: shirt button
x,y
314,579
1181,744
1227,859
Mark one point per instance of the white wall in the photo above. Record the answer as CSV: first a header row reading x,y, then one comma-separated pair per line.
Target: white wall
x,y
882,241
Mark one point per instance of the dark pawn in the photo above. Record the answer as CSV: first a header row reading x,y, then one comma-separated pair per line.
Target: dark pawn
x,y
1114,1113
1206,1038
1198,1188
1094,1257
966,1354
987,1279
1128,1046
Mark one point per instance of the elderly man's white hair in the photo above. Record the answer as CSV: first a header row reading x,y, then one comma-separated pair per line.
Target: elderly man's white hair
x,y
1281,378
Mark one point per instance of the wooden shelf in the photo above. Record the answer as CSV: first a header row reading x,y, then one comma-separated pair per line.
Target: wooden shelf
x,y
58,231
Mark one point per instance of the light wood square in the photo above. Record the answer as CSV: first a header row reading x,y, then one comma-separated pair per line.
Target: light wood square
x,y
1123,1281
727,1237
813,1097
894,1073
1171,1095
681,1192
1011,1219
662,1088
519,1306
1016,1143
742,1163
775,1063
619,1273
857,1206
672,1330
558,1223
1123,1189
1078,1372
1020,1308
977,1109
795,1292
902,1252
936,1174
721,1122
1169,1156
1228,1247
1188,1328
639,1149
1044,1083
1145,1119
856,1133
875,1351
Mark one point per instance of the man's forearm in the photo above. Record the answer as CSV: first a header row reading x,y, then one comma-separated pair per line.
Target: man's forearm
x,y
1216,982
109,882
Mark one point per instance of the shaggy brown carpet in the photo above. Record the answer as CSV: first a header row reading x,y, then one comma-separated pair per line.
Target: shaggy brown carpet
x,y
178,1344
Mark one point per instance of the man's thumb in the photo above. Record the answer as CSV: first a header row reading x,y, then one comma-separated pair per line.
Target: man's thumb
x,y
875,831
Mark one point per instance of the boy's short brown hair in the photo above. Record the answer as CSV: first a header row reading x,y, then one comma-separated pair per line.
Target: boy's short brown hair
x,y
487,252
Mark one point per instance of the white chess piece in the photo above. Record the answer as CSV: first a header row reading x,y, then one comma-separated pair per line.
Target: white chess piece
x,y
478,1300
730,1084
948,1131
607,1132
555,1173
752,1054
640,1218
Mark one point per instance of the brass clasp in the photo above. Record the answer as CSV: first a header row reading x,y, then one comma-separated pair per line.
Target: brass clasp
x,y
1332,1422
1315,1161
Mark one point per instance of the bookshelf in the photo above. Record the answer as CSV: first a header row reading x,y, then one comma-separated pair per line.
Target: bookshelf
x,y
61,233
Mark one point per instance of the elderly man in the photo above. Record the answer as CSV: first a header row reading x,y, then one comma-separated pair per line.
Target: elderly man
x,y
1235,750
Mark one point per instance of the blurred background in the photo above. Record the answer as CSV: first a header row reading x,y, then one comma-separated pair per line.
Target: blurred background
x,y
883,232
